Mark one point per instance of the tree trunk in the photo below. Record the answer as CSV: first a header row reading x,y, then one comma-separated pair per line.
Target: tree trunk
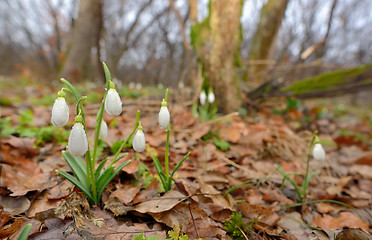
x,y
78,63
264,40
224,53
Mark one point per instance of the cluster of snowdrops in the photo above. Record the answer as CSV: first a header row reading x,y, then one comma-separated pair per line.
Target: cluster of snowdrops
x,y
87,176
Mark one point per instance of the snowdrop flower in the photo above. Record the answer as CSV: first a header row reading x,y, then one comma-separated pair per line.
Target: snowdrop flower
x,y
160,86
202,97
139,142
211,97
103,130
181,85
60,111
164,116
138,86
113,105
77,142
132,85
318,152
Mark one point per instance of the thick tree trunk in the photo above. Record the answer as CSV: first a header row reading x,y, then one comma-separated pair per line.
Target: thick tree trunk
x,y
265,38
78,63
224,53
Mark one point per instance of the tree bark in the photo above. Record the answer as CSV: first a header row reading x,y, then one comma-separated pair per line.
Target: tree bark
x,y
224,53
78,62
265,38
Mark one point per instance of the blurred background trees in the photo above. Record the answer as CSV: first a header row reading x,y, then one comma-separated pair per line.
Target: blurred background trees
x,y
152,41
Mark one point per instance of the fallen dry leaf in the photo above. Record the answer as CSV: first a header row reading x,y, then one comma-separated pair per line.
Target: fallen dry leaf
x,y
345,219
232,131
365,171
20,180
274,195
14,205
203,228
292,223
212,193
126,193
41,205
264,214
161,204
179,215
365,159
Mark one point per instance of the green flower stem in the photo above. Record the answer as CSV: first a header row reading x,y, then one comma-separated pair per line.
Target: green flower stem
x,y
71,88
304,185
99,117
166,95
129,137
166,158
90,175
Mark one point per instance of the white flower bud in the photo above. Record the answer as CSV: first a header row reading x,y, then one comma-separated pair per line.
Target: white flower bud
x,y
202,97
132,85
139,142
60,112
77,142
138,86
164,117
103,130
211,97
318,152
113,105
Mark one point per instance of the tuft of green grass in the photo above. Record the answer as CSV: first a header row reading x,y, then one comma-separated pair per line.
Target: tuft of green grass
x,y
237,228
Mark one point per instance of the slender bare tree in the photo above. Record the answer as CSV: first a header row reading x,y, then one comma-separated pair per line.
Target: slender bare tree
x,y
265,38
84,37
225,41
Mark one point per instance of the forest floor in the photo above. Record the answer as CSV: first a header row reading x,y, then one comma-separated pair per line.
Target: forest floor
x,y
232,168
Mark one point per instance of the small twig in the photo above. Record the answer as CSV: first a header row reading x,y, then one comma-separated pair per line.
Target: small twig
x,y
228,116
228,161
242,232
193,222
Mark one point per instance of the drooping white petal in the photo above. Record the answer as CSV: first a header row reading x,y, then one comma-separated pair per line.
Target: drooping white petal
x,y
164,117
113,105
60,112
318,152
132,85
211,97
138,86
103,131
139,142
77,142
202,97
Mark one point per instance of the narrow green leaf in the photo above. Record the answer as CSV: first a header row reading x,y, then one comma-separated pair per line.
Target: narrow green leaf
x,y
160,171
107,181
103,178
79,172
157,164
76,183
164,181
179,164
307,181
25,232
107,73
290,180
125,154
72,88
99,168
